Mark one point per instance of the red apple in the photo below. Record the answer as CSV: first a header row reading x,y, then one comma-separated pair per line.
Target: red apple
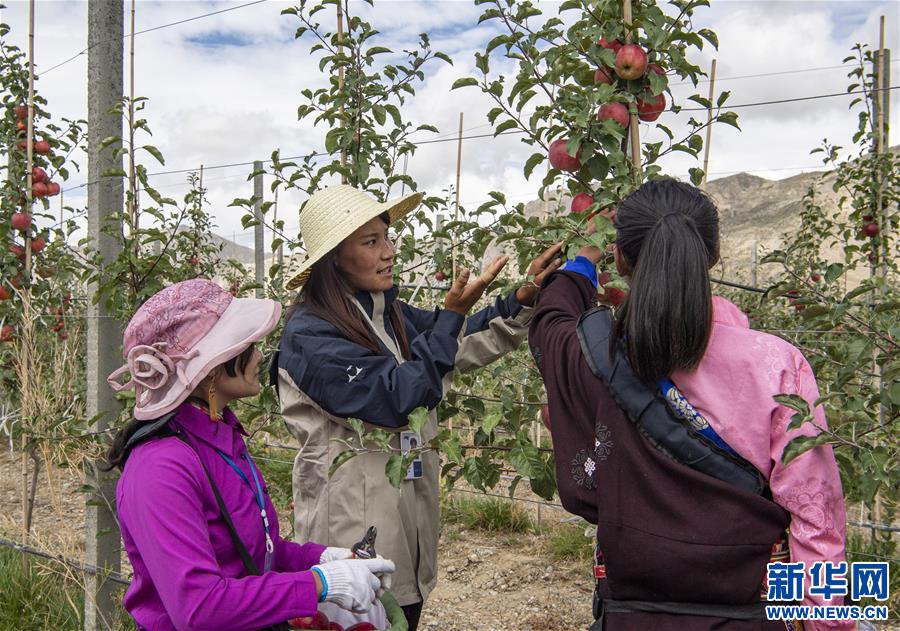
x,y
362,626
42,147
867,217
21,125
18,250
614,45
614,111
631,62
581,202
59,326
815,277
67,300
22,145
38,244
871,229
20,221
63,335
39,189
318,621
194,261
334,626
613,296
439,276
5,294
6,333
52,188
604,75
16,282
799,307
38,175
603,278
650,110
561,159
21,111
656,68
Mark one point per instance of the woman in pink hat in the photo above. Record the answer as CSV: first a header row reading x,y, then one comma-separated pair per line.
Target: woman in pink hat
x,y
198,525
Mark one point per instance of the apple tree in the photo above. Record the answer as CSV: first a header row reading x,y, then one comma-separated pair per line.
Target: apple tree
x,y
839,274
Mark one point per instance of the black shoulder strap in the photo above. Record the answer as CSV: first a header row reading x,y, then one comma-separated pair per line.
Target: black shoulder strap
x,y
645,407
249,563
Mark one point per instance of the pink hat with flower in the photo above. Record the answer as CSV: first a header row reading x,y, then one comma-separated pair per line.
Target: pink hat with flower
x,y
180,334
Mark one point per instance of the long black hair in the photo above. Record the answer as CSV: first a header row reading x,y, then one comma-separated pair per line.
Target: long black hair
x,y
668,233
117,454
328,295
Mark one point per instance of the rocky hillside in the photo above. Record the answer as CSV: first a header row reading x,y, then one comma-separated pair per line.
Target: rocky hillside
x,y
755,213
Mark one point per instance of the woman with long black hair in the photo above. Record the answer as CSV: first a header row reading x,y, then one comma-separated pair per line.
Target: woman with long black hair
x,y
666,432
351,349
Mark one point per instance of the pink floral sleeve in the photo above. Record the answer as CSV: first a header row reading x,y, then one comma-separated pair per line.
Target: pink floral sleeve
x,y
809,487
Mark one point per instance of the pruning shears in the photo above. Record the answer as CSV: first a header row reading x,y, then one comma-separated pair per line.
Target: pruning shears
x,y
365,547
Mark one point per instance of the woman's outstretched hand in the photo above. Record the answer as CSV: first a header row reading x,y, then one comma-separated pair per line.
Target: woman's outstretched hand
x,y
463,295
540,268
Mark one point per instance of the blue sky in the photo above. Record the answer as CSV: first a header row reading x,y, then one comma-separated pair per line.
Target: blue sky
x,y
225,89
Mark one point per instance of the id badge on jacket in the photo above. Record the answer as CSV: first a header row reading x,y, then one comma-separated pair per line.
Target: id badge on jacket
x,y
409,441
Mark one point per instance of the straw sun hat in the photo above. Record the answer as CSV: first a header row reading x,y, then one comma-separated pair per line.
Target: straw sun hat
x,y
334,213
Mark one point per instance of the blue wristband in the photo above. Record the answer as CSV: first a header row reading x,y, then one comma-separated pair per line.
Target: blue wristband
x,y
582,265
324,583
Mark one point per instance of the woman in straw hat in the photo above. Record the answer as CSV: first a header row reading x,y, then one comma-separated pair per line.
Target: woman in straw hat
x,y
352,349
197,522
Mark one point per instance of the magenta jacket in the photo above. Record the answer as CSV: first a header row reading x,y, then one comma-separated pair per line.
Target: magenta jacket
x,y
187,571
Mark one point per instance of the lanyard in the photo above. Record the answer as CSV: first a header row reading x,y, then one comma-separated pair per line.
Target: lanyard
x,y
260,502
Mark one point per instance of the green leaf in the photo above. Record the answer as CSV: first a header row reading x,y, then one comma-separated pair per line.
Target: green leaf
x,y
395,470
444,57
696,174
505,126
709,36
464,82
453,450
380,114
156,153
357,426
417,419
532,162
729,118
339,460
109,140
793,401
114,173
722,98
833,272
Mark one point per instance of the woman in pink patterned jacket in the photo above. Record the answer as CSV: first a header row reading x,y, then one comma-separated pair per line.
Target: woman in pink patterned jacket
x,y
677,548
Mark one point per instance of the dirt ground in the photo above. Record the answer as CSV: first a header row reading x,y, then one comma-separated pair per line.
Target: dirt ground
x,y
486,582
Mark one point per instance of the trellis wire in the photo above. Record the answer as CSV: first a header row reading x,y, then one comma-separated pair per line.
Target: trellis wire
x,y
81,567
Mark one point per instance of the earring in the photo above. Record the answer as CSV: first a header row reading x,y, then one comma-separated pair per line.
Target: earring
x,y
211,402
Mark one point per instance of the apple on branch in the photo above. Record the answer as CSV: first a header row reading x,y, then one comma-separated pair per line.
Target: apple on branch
x,y
631,62
560,158
20,221
605,75
614,111
649,110
581,202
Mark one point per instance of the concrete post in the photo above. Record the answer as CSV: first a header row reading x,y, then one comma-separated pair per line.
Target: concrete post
x,y
105,196
259,245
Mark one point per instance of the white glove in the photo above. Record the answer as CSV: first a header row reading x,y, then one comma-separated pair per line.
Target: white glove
x,y
351,583
335,554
